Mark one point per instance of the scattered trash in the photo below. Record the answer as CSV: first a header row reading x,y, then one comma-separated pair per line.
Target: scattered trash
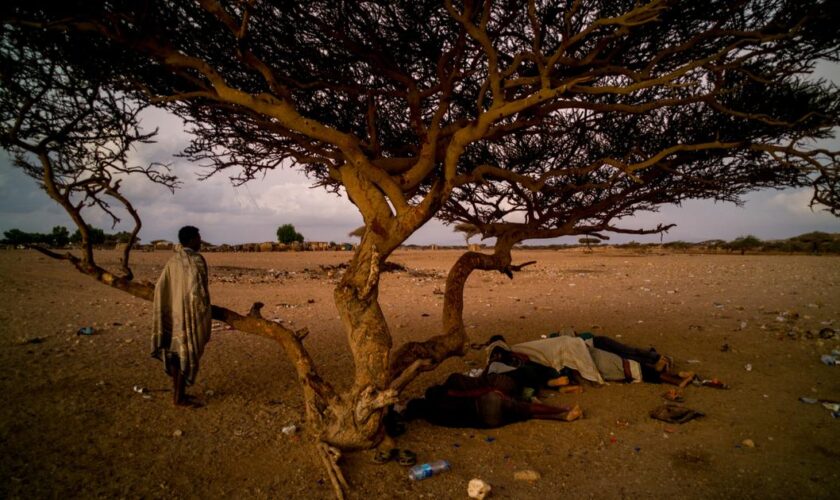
x,y
713,383
489,439
829,360
673,395
423,471
693,361
33,340
831,406
85,330
178,433
748,367
475,372
527,475
724,348
827,333
289,429
674,414
478,489
139,389
810,401
749,443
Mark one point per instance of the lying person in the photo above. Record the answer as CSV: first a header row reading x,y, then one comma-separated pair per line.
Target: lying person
x,y
587,356
482,402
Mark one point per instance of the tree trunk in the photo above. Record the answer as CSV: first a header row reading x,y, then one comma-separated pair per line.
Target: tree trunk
x,y
354,421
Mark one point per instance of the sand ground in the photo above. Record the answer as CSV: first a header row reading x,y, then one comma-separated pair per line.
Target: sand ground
x,y
71,424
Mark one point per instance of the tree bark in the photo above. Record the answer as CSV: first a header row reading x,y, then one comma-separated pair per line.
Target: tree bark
x,y
354,421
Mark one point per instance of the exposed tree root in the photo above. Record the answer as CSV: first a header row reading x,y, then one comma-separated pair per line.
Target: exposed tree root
x,y
330,457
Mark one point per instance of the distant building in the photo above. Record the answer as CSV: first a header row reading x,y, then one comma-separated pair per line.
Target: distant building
x,y
162,245
317,245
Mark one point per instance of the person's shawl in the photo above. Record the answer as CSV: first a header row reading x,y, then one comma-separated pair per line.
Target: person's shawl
x,y
559,352
182,319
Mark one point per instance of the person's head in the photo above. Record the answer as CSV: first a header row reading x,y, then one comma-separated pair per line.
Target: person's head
x,y
189,237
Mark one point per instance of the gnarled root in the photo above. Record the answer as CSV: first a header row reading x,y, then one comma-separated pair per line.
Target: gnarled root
x,y
330,457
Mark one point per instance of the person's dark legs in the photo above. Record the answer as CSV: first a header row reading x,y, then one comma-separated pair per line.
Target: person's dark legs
x,y
178,387
179,383
643,356
496,409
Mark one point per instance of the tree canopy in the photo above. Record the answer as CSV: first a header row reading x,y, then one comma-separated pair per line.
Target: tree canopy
x,y
529,119
287,234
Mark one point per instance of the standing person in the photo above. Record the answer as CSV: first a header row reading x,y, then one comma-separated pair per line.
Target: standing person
x,y
182,314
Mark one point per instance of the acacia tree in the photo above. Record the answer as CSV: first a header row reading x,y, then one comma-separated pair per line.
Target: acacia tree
x,y
526,119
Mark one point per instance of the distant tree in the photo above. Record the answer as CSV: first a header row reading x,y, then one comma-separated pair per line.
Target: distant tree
x,y
17,237
589,242
815,241
468,229
287,234
60,237
96,236
744,243
677,245
120,237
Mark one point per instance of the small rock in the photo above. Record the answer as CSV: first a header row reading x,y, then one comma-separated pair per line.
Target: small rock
x,y
749,443
289,429
178,433
526,475
478,489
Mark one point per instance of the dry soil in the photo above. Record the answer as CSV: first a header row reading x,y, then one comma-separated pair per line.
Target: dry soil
x,y
72,424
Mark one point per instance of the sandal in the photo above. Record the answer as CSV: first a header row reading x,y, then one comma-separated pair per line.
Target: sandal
x,y
406,457
674,414
384,456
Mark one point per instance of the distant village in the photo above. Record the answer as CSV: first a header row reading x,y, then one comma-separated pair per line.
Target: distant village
x,y
60,238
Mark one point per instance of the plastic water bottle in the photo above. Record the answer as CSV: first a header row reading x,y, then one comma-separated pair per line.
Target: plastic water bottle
x,y
422,471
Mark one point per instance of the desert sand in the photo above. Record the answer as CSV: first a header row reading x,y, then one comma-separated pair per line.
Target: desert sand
x,y
73,425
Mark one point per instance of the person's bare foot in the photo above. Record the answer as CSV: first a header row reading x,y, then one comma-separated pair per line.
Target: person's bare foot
x,y
686,377
574,414
680,379
663,364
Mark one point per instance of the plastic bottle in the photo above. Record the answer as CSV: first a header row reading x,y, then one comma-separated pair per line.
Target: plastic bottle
x,y
422,471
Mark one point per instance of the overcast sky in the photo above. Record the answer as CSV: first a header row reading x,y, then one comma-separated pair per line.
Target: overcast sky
x,y
252,213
